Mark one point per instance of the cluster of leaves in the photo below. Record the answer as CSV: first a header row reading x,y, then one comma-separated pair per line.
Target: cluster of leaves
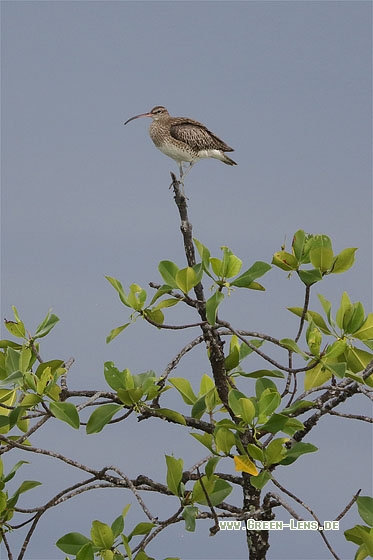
x,y
257,414
362,535
255,432
134,392
8,503
223,272
17,364
317,251
106,541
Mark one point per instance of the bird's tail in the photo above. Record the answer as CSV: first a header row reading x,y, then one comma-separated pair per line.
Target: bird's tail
x,y
225,159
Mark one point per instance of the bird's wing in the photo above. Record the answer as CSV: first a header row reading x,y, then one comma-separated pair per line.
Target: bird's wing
x,y
197,136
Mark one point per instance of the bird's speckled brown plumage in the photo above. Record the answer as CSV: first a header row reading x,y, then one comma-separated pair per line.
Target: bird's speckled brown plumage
x,y
184,139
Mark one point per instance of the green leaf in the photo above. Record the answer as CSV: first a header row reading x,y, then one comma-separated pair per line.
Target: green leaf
x,y
206,385
298,405
257,270
27,485
86,552
232,267
119,288
13,470
189,515
174,474
154,315
101,416
247,410
204,254
269,401
233,359
216,489
46,325
102,535
234,400
130,397
211,466
355,320
281,422
185,389
365,507
345,307
205,439
142,528
285,261
114,332
114,378
169,302
71,543
66,412
186,279
212,305
357,359
217,266
322,258
171,415
255,452
290,344
199,408
298,245
316,318
344,260
275,451
141,556
260,480
136,297
224,440
366,330
336,368
245,350
256,286
336,349
165,289
10,344
12,360
296,451
16,328
327,306
168,271
117,526
358,535
262,384
264,373
310,277
316,377
314,339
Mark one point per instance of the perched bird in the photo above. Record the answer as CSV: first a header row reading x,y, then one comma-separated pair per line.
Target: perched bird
x,y
184,139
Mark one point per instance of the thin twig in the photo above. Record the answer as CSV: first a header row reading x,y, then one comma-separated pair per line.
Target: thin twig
x,y
215,528
303,504
349,505
304,312
135,492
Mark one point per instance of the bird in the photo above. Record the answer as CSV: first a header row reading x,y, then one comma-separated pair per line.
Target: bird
x,y
184,140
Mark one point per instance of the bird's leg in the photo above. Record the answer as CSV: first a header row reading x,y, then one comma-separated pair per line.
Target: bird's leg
x,y
189,168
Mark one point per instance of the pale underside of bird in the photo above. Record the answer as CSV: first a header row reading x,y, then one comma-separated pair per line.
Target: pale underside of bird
x,y
184,140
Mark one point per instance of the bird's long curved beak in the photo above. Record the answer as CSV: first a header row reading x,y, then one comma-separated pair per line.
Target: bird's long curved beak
x,y
137,117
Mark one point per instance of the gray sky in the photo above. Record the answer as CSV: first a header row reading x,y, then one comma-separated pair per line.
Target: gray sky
x,y
288,85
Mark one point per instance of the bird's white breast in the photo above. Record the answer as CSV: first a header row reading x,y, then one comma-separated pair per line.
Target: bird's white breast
x,y
176,153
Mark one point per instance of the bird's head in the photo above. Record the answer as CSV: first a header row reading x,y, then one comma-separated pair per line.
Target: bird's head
x,y
156,113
